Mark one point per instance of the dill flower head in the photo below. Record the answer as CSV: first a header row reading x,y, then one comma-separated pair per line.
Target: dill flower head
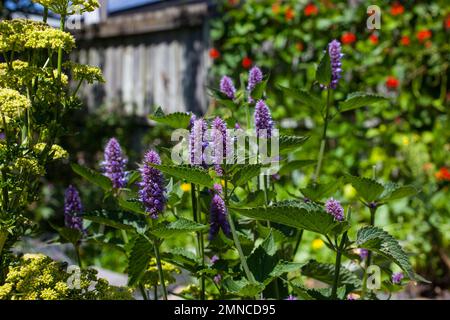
x,y
114,164
55,152
69,7
73,209
49,38
151,186
12,104
14,33
90,74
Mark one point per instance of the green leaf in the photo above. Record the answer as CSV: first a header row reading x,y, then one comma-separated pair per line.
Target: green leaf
x,y
394,192
368,189
317,294
262,261
139,259
178,227
131,205
323,73
359,99
381,242
294,214
295,165
92,176
291,143
182,258
285,267
317,192
245,173
118,219
174,120
302,96
258,92
190,174
242,287
325,272
68,234
133,176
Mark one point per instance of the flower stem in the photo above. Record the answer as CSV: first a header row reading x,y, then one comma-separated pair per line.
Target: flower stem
x,y
324,139
337,266
142,290
62,23
369,255
160,270
200,244
77,252
237,243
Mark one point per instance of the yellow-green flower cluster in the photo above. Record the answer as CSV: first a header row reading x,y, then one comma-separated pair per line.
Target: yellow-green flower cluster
x,y
151,276
12,104
28,165
37,277
19,34
18,74
56,152
67,8
88,73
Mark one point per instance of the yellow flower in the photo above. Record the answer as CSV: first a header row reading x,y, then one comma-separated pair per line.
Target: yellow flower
x,y
12,104
66,7
317,244
405,141
88,73
56,152
186,187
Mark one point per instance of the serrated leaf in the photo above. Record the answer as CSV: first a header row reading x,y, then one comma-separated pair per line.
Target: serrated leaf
x,y
188,173
117,219
294,214
359,99
139,259
285,267
242,287
131,205
381,242
291,143
318,192
133,176
295,165
245,173
302,96
68,234
396,192
323,73
325,272
258,92
92,176
182,258
262,260
174,120
368,189
178,227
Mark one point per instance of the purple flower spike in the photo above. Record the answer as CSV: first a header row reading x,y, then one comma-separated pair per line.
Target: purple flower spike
x,y
218,217
397,277
221,142
197,142
263,120
218,188
114,164
334,49
227,87
73,209
217,279
255,76
291,297
363,253
151,186
334,208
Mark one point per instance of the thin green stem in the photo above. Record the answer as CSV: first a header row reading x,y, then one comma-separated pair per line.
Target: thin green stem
x,y
77,252
45,15
324,139
200,244
369,255
160,270
62,24
337,266
202,247
299,240
143,292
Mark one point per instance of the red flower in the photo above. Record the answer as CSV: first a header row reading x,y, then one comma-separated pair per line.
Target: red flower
x,y
423,35
214,53
276,8
289,14
443,174
447,22
405,41
373,38
397,9
232,3
348,38
310,10
247,62
392,82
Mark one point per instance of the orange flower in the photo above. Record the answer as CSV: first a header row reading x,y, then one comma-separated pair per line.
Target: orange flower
x,y
427,166
299,46
392,82
310,10
247,62
289,14
443,174
373,38
423,35
348,38
214,53
405,41
397,9
276,8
